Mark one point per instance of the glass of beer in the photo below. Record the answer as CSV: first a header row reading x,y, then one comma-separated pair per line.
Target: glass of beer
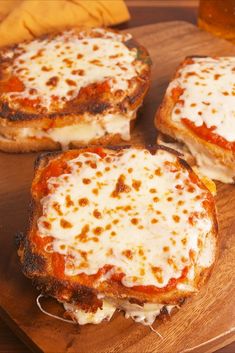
x,y
218,17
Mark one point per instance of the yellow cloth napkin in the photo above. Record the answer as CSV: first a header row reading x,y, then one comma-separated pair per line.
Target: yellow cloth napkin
x,y
26,19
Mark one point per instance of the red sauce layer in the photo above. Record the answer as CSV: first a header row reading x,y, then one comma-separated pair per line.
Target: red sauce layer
x,y
209,135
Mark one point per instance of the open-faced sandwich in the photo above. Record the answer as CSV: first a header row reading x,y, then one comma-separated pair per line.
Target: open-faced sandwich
x,y
198,111
71,88
128,228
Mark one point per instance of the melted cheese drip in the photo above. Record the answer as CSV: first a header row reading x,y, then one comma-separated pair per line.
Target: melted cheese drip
x,y
144,231
145,314
209,166
206,163
83,132
61,66
83,318
209,94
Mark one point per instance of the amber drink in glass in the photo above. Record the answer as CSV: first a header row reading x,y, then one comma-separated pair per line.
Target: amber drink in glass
x,y
218,17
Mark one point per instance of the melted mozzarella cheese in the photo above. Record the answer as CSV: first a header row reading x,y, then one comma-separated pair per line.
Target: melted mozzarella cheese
x,y
209,94
82,317
137,212
206,163
83,132
56,69
145,314
209,166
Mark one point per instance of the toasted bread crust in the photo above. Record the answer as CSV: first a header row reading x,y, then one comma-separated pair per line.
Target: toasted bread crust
x,y
90,103
37,265
180,132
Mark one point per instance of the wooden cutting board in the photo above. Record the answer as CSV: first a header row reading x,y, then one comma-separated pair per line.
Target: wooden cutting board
x,y
211,313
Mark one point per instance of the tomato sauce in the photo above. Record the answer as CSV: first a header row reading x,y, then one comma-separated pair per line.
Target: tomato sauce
x,y
209,135
12,85
170,285
176,92
57,167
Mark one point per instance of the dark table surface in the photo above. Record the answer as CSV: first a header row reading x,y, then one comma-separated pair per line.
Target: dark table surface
x,y
142,12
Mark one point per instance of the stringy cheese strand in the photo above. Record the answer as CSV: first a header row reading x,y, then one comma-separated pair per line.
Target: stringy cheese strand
x,y
51,315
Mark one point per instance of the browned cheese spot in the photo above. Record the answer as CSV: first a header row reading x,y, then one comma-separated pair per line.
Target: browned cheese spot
x,y
176,218
95,191
109,252
83,202
68,62
69,202
52,81
154,220
136,184
134,221
217,76
158,171
120,187
32,91
157,271
96,62
70,82
78,72
97,214
37,55
46,68
92,164
98,230
46,225
86,181
65,224
128,254
56,207
83,235
180,202
184,241
199,243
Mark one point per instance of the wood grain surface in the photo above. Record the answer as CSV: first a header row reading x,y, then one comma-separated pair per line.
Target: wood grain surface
x,y
205,316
